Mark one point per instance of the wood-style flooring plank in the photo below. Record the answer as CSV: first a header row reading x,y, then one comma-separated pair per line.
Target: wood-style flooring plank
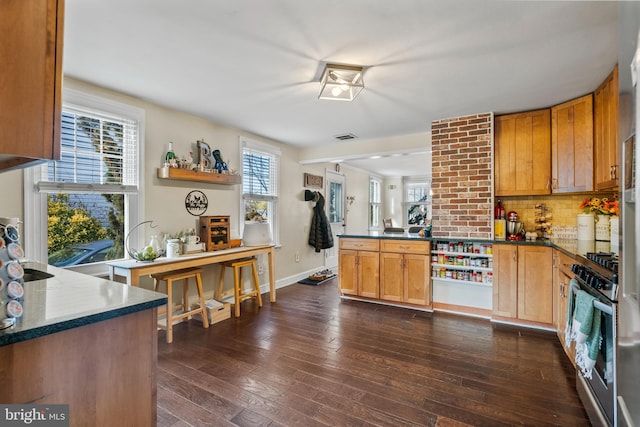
x,y
312,359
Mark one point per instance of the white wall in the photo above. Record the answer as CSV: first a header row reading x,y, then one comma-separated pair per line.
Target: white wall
x,y
392,194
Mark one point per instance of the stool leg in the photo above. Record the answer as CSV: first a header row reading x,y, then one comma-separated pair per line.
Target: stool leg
x,y
220,281
185,296
169,311
256,283
236,290
205,319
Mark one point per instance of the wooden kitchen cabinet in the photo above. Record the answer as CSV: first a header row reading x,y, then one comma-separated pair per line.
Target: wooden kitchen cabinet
x,y
606,164
523,153
523,283
572,146
359,267
31,80
405,271
561,284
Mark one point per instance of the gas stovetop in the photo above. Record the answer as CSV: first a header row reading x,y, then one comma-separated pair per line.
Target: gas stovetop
x,y
599,270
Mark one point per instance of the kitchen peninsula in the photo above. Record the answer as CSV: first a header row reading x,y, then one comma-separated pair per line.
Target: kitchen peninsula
x,y
513,282
83,341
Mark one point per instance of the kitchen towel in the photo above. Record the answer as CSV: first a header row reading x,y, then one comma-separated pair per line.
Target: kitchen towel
x,y
586,332
573,288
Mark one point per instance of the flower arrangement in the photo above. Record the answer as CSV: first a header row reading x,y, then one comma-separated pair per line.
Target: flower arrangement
x,y
599,206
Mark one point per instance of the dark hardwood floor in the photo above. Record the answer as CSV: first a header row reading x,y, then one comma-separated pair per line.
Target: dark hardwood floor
x,y
311,359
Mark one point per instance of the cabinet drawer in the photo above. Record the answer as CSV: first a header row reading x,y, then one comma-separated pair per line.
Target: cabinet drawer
x,y
405,246
360,244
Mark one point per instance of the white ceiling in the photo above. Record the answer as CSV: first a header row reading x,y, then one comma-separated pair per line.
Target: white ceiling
x,y
255,64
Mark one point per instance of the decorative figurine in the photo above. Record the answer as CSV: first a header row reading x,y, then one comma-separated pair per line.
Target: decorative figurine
x,y
220,165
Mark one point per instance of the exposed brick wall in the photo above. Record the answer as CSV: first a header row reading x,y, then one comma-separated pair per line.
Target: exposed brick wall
x,y
463,176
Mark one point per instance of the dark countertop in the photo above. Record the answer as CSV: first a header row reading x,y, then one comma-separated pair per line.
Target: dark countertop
x,y
570,247
69,300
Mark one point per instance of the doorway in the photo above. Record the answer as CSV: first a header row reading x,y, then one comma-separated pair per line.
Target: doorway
x,y
335,205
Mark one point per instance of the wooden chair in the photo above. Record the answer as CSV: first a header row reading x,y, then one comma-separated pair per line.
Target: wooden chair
x,y
173,276
239,293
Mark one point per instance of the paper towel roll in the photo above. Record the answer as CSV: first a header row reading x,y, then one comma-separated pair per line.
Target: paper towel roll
x,y
586,227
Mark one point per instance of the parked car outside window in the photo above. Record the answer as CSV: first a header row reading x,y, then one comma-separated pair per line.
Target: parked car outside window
x,y
81,253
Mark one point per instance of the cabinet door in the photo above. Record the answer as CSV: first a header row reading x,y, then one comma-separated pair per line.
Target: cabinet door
x,y
30,80
605,141
391,276
535,284
523,153
416,279
572,146
369,274
348,271
505,280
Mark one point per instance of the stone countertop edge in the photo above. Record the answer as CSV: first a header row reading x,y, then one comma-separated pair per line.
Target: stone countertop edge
x,y
69,300
568,246
12,338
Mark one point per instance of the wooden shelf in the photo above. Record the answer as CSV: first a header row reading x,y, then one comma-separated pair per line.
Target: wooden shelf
x,y
191,175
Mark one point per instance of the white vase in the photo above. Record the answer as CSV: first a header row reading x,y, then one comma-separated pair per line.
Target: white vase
x,y
586,227
602,228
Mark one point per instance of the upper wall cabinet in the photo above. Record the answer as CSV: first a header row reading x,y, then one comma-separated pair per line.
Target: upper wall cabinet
x,y
572,146
606,169
31,80
523,153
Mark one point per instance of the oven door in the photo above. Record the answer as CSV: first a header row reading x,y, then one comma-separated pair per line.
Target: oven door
x,y
598,394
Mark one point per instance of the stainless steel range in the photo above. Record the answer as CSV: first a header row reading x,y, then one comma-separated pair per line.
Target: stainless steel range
x,y
597,274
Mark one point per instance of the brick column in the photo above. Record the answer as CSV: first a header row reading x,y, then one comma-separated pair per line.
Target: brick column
x,y
463,176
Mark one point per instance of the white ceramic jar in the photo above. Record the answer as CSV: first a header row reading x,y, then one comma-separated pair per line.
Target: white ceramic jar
x,y
173,248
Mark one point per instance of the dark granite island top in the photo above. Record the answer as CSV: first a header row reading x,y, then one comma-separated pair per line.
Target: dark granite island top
x,y
85,342
69,300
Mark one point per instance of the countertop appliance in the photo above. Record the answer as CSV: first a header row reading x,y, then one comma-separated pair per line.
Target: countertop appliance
x,y
597,274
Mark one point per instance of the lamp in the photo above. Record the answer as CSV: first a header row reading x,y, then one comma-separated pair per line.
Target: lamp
x,y
341,82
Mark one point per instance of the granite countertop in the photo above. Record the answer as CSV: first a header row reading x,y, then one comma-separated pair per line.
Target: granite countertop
x,y
570,247
69,299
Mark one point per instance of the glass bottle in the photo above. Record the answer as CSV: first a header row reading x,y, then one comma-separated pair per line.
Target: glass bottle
x,y
170,157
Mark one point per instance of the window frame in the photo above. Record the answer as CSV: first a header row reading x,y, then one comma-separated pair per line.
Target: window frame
x,y
408,182
375,204
35,201
273,200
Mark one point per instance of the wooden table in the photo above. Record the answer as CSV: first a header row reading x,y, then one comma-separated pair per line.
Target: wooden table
x,y
131,270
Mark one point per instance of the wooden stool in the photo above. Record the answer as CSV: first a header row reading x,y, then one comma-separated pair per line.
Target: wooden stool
x,y
238,293
185,275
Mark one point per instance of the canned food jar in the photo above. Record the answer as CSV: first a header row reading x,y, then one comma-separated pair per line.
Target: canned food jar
x,y
460,260
489,249
452,247
440,258
443,272
448,274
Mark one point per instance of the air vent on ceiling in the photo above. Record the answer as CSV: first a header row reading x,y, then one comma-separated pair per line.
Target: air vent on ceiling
x,y
345,137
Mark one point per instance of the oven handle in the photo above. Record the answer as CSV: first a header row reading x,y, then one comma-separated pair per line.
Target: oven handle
x,y
606,309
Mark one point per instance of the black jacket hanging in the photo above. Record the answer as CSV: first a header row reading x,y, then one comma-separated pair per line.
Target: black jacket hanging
x,y
320,236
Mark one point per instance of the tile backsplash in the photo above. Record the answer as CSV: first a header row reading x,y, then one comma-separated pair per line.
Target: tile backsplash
x,y
564,209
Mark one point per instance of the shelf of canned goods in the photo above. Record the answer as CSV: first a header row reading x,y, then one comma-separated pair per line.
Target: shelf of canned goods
x,y
462,273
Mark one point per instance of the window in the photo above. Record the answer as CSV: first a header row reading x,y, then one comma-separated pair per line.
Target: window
x,y
260,174
375,204
90,197
417,200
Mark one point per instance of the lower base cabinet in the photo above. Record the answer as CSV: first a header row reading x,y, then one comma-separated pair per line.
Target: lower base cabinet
x,y
358,267
523,283
562,278
388,270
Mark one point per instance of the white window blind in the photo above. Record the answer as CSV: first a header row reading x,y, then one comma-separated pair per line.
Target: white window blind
x,y
259,174
98,154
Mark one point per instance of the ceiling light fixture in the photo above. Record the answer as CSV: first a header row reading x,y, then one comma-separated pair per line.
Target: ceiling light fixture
x,y
341,82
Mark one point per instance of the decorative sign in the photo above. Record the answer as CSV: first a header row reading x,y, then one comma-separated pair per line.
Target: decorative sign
x,y
312,181
196,203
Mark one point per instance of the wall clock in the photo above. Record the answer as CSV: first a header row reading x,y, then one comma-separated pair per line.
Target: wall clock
x,y
196,203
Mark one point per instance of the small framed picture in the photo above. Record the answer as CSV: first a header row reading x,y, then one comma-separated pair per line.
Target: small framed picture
x,y
387,223
312,181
